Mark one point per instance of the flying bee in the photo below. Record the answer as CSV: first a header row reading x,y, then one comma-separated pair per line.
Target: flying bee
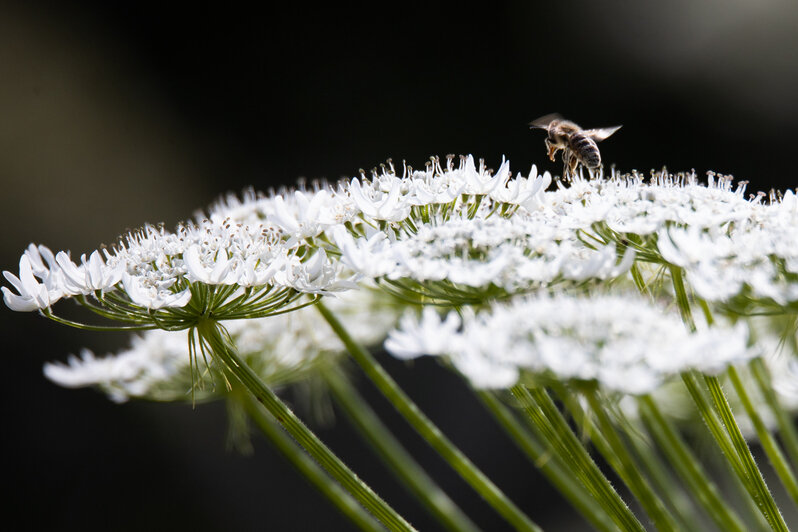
x,y
578,145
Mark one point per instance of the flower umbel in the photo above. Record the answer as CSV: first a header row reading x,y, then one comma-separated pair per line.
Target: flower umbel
x,y
622,342
593,303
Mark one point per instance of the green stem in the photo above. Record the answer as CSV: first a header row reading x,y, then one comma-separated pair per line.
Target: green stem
x,y
222,347
637,277
311,470
787,430
428,430
672,496
395,456
623,462
687,466
730,440
681,297
551,465
544,415
715,427
648,460
769,444
758,489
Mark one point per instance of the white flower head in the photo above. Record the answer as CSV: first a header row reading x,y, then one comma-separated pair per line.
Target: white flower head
x,y
31,293
623,343
152,273
527,191
384,198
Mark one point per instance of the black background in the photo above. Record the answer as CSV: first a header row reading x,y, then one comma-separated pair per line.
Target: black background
x,y
116,115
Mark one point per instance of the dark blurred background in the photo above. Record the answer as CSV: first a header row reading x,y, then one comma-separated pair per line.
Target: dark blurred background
x,y
118,114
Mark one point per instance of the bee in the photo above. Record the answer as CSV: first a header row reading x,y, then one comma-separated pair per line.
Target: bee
x,y
578,145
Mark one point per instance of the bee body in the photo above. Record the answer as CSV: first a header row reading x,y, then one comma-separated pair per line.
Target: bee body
x,y
585,149
578,146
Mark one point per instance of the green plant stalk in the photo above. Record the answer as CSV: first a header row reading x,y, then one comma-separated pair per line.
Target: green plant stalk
x,y
787,429
682,301
560,474
395,456
637,278
722,439
543,415
687,466
311,470
759,491
222,348
712,416
428,430
623,462
768,441
671,494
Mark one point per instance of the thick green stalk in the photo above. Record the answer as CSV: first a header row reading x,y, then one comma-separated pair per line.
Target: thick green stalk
x,y
768,441
428,430
395,456
758,489
671,495
543,415
311,470
637,277
688,467
623,462
787,429
222,348
558,472
681,297
734,448
716,429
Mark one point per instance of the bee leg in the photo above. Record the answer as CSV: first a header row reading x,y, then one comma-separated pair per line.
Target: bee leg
x,y
552,149
572,162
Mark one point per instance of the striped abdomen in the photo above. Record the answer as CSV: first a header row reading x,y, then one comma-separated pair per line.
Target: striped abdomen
x,y
585,149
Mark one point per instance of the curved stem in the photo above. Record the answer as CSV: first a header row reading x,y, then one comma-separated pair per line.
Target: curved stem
x,y
544,415
428,430
768,441
558,472
222,347
715,427
623,462
310,469
757,487
787,429
682,300
395,456
722,424
688,467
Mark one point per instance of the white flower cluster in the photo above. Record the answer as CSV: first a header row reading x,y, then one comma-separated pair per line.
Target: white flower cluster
x,y
623,342
462,224
451,234
756,255
282,349
442,230
154,269
727,244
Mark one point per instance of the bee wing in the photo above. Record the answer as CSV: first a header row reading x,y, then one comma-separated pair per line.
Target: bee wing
x,y
544,121
602,132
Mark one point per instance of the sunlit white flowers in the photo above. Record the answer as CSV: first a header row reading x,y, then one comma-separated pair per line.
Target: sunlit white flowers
x,y
622,342
209,263
594,300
